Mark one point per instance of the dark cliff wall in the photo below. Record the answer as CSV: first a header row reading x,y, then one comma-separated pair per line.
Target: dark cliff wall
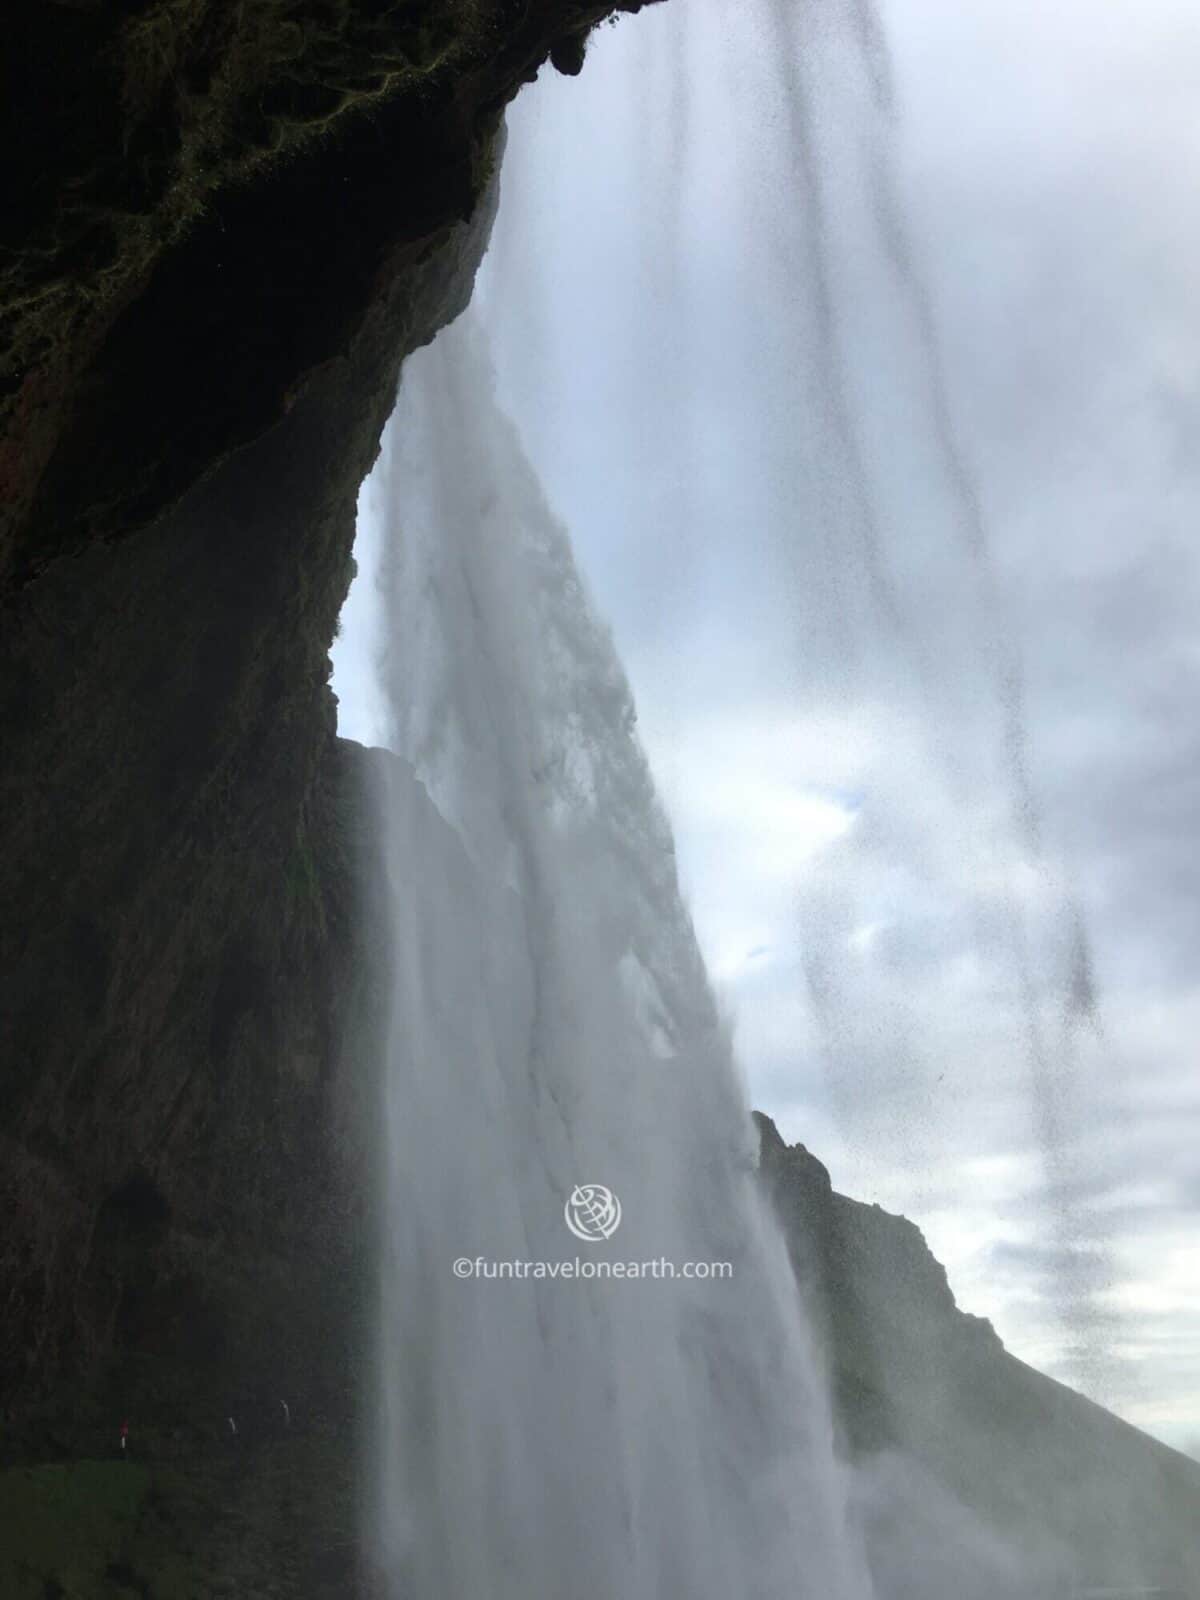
x,y
1060,1477
228,224
225,226
176,930
204,201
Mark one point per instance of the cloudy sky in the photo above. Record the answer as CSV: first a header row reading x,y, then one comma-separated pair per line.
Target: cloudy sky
x,y
860,354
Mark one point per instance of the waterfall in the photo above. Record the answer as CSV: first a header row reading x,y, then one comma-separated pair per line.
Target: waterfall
x,y
566,1417
552,1026
789,462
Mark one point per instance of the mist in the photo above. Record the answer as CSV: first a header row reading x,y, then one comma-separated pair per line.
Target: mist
x,y
880,501
552,1024
873,654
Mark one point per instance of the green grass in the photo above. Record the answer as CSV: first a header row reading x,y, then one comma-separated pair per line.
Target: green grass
x,y
66,1529
273,1519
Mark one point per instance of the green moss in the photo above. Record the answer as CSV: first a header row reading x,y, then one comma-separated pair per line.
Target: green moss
x,y
68,1528
154,116
306,893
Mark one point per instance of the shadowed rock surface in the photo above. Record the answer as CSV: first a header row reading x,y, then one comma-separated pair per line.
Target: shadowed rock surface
x,y
227,225
205,201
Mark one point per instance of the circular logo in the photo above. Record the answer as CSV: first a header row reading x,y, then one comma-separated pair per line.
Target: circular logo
x,y
592,1212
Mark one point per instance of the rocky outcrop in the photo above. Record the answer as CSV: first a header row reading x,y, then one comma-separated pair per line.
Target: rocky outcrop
x,y
225,226
175,946
1063,1480
228,225
205,201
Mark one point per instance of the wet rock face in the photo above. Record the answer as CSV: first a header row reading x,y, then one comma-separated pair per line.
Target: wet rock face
x,y
227,225
202,199
173,982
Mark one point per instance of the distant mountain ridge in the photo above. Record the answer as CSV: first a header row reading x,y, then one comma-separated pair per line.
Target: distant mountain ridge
x,y
1041,1465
